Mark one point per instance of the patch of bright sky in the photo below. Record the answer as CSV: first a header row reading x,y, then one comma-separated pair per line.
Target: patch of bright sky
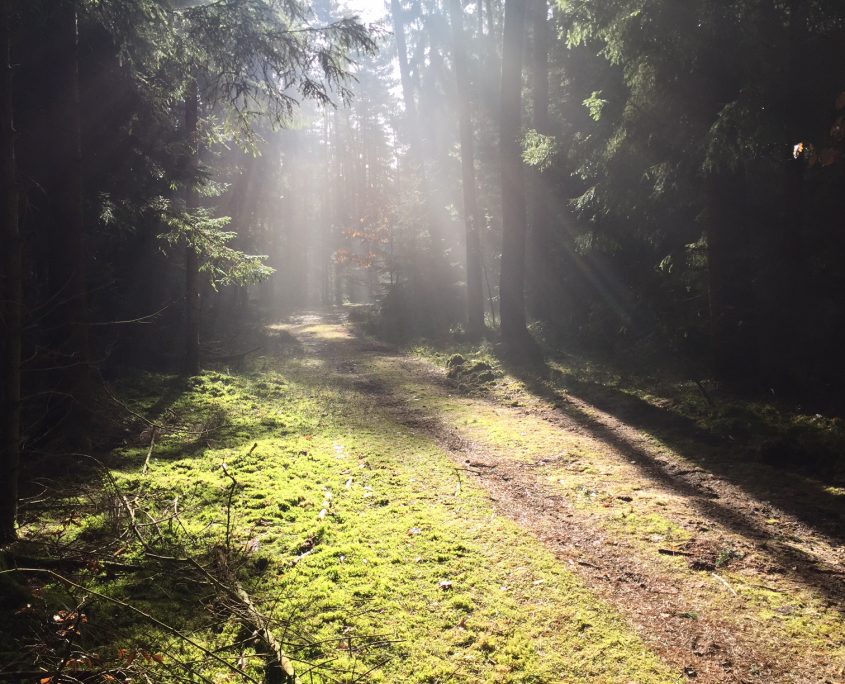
x,y
369,11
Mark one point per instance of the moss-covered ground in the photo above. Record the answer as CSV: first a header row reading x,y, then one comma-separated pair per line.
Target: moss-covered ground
x,y
694,505
378,559
365,529
403,567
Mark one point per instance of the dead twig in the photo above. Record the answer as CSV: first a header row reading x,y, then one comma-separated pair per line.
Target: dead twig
x,y
231,494
673,552
153,432
140,613
724,582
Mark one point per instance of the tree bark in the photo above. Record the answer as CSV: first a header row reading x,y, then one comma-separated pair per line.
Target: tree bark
x,y
11,293
472,218
69,329
540,57
192,292
791,273
731,299
512,277
539,234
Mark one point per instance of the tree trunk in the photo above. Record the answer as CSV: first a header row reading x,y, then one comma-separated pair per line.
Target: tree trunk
x,y
540,58
326,214
732,324
413,133
10,294
540,285
192,293
69,330
405,74
790,274
472,219
512,278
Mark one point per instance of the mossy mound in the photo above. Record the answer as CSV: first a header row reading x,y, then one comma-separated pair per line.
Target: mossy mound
x,y
470,373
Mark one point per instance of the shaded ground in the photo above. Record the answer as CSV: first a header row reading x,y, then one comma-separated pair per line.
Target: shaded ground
x,y
731,572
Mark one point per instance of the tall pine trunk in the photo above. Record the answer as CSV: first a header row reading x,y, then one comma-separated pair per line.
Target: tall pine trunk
x,y
732,323
10,293
512,277
413,132
540,239
72,380
790,283
404,72
192,291
472,218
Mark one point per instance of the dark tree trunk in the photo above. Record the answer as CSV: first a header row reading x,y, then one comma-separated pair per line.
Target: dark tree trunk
x,y
472,218
192,290
790,273
512,279
732,320
69,329
540,59
10,293
541,257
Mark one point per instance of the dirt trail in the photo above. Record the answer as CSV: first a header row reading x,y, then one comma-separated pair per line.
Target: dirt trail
x,y
724,585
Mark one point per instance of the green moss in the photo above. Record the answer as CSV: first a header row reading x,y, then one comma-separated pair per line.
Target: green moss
x,y
358,525
649,527
797,615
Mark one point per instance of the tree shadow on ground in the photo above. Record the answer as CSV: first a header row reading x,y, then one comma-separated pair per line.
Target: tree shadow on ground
x,y
806,499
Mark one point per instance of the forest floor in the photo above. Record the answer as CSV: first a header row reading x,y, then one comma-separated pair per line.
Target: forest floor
x,y
470,523
724,585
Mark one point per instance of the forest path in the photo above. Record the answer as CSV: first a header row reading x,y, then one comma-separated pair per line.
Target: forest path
x,y
725,586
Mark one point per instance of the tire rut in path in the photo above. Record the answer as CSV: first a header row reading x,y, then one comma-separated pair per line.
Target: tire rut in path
x,y
706,644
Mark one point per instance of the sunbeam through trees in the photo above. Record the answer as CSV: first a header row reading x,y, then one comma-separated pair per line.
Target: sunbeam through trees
x,y
422,341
